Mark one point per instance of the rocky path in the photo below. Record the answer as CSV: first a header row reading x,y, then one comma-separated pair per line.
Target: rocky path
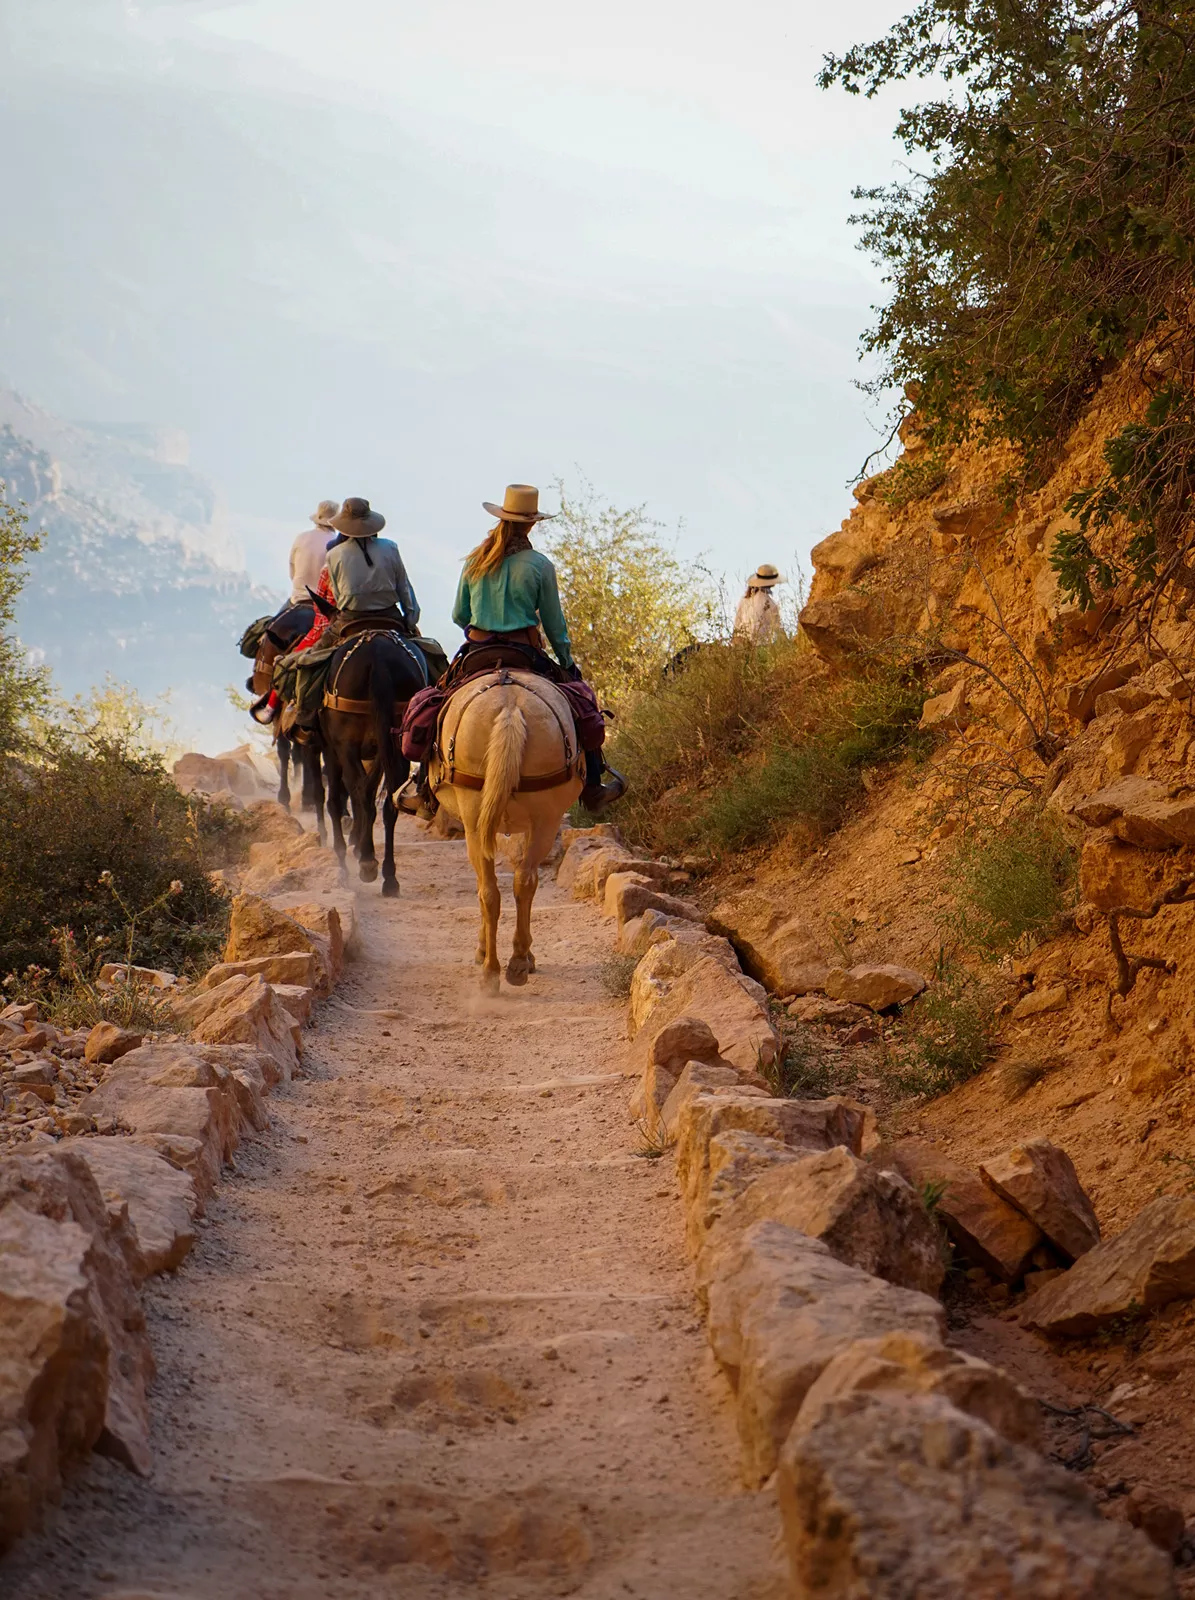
x,y
439,1337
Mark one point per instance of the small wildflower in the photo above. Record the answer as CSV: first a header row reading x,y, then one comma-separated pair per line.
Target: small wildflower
x,y
105,876
176,886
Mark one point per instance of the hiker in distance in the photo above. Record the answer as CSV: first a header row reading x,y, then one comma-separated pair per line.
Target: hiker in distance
x,y
758,617
508,595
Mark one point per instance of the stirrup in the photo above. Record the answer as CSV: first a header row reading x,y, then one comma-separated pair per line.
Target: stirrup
x,y
595,797
260,706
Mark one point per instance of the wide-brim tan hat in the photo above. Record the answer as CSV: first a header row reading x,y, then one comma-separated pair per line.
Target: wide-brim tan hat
x,y
519,504
765,576
324,512
356,521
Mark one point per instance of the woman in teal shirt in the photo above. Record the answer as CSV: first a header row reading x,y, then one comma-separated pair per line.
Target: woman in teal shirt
x,y
508,591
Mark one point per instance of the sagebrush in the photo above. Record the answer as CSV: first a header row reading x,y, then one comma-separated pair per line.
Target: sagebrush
x,y
1013,882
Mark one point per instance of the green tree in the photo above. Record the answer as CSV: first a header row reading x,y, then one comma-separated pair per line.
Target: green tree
x,y
630,601
1045,234
22,688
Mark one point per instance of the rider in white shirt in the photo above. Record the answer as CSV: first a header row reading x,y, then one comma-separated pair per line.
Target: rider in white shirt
x,y
758,616
309,552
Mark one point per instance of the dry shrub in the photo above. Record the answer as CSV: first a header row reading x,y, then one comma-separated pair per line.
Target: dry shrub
x,y
77,815
1013,882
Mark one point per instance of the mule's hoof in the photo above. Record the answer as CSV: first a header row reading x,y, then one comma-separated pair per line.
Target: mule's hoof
x,y
368,871
491,983
390,889
517,970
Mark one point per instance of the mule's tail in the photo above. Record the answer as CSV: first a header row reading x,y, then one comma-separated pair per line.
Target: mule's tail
x,y
384,691
503,767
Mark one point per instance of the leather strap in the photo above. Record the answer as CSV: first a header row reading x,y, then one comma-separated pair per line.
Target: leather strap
x,y
342,702
546,780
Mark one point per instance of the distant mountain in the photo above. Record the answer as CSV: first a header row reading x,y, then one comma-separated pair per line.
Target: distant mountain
x,y
138,575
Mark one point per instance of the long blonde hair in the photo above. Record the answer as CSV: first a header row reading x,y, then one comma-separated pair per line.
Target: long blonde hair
x,y
493,550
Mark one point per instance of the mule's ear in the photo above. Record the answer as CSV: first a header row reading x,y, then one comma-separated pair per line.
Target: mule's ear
x,y
320,604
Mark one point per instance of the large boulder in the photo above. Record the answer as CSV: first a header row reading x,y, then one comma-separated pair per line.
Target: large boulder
x,y
736,1159
869,1219
54,1357
807,1125
258,928
730,1004
107,1043
683,1041
774,945
161,1200
891,1496
879,988
983,1227
780,1309
1144,1268
840,626
630,894
909,1363
242,1010
660,966
59,1186
294,966
172,1091
1040,1180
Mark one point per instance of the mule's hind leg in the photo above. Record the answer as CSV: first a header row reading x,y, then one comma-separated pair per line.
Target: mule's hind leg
x,y
282,746
336,804
389,870
489,898
539,842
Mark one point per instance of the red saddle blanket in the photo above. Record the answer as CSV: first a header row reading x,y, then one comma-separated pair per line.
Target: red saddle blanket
x,y
422,718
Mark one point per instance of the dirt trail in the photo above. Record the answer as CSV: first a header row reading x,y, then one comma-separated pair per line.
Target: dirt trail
x,y
439,1335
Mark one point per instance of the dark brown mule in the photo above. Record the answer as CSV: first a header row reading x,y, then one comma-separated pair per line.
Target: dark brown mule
x,y
373,675
283,633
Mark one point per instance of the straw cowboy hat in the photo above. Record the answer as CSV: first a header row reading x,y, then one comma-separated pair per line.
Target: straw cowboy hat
x,y
520,504
324,512
765,576
356,521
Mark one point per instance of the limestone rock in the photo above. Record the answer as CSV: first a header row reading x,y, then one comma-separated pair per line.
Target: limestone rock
x,y
985,1229
114,972
839,626
891,1496
658,968
1112,874
1158,826
58,1185
741,1025
947,710
780,1309
333,923
876,987
1144,1268
296,1000
1038,1002
242,1010
107,1043
699,1077
161,1200
53,1363
154,1092
807,1125
257,928
869,1219
299,864
629,894
906,1363
775,946
578,850
820,1009
736,1159
295,966
1106,804
1040,1180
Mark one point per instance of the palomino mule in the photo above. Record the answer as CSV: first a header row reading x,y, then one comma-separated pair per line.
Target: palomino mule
x,y
507,762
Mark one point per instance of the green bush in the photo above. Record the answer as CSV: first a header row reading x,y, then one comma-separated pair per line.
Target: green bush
x,y
696,720
1012,883
945,1038
94,838
814,778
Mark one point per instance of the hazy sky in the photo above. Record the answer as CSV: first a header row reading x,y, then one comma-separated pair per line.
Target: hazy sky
x,y
416,250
